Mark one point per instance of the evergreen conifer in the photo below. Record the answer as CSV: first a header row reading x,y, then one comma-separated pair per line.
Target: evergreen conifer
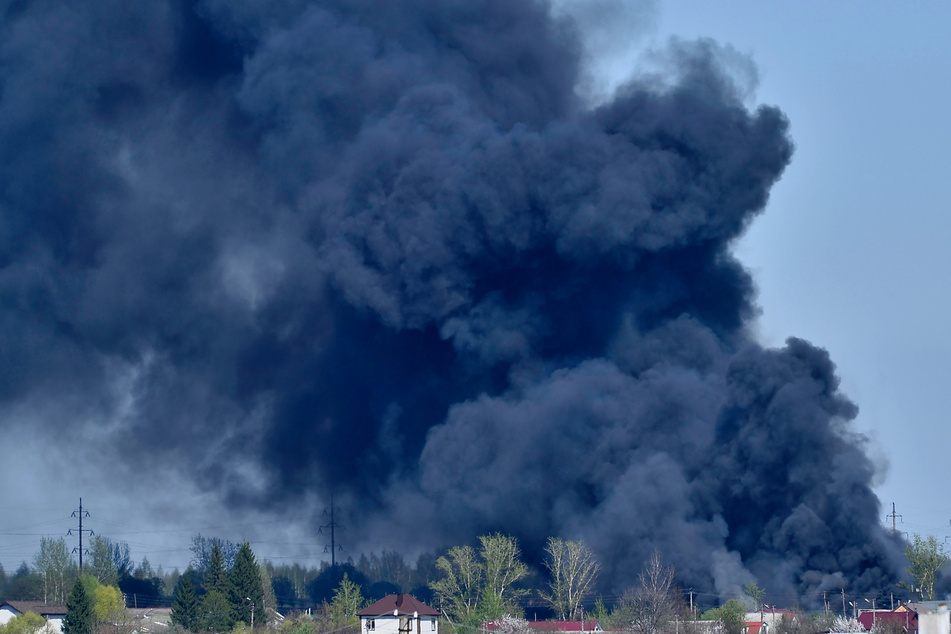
x,y
245,587
80,616
185,606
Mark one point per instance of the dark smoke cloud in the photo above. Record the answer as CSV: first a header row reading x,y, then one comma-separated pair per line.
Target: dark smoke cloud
x,y
385,250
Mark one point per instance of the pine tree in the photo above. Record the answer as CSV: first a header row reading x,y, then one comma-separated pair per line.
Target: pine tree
x,y
216,577
216,608
185,607
80,617
216,612
245,589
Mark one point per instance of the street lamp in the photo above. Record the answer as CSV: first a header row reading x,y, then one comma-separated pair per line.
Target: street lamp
x,y
252,611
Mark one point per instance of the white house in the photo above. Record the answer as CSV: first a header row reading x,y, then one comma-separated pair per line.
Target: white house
x,y
399,614
52,613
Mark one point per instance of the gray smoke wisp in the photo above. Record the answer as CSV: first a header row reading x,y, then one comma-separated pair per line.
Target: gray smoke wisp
x,y
385,250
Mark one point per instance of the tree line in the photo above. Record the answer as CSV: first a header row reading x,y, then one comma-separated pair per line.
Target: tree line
x,y
470,585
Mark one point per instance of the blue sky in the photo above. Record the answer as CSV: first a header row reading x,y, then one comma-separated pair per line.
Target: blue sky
x,y
852,252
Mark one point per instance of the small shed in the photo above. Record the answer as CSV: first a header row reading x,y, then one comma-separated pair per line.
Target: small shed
x,y
399,614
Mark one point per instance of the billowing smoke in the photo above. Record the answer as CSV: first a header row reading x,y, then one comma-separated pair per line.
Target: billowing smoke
x,y
385,250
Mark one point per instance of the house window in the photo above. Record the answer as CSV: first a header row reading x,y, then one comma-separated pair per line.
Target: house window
x,y
406,624
371,625
433,624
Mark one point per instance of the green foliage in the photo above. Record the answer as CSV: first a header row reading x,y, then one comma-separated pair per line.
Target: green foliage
x,y
24,585
501,569
346,603
301,624
57,569
102,565
477,586
185,606
244,585
111,614
80,615
216,575
269,600
730,615
754,592
459,590
925,557
29,623
216,614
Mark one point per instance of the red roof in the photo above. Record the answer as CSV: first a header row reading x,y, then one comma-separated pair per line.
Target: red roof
x,y
398,605
905,618
555,626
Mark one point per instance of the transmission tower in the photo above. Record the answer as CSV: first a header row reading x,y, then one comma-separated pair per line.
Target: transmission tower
x,y
80,514
894,516
333,526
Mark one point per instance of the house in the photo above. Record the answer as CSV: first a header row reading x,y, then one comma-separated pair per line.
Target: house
x,y
772,617
52,613
755,627
399,614
907,619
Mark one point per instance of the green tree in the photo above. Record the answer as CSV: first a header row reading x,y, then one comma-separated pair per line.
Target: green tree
x,y
80,615
501,569
57,569
244,585
730,615
346,603
755,593
925,557
216,575
459,590
109,608
185,606
269,600
573,570
102,563
216,613
28,623
24,585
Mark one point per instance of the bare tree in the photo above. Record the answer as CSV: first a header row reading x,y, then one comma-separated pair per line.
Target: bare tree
x,y
653,602
573,570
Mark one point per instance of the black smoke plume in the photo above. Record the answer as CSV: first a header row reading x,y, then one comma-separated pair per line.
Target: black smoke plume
x,y
384,249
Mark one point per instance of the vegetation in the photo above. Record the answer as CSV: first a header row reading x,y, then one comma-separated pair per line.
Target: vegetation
x,y
730,615
648,607
488,582
925,557
80,616
573,571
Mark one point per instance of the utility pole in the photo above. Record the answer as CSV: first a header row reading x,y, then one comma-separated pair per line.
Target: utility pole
x,y
845,614
80,514
332,526
894,516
